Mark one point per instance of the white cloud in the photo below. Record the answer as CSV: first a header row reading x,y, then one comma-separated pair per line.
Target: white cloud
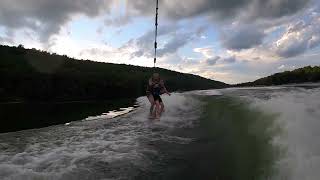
x,y
203,37
298,38
47,17
286,67
281,67
205,51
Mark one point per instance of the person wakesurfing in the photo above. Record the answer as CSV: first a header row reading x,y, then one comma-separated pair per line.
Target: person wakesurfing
x,y
155,89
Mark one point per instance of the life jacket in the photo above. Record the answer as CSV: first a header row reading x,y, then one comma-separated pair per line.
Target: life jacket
x,y
156,88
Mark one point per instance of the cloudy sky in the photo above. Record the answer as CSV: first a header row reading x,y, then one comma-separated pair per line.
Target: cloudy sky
x,y
228,40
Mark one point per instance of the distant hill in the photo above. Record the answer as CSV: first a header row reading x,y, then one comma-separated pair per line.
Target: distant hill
x,y
33,75
301,75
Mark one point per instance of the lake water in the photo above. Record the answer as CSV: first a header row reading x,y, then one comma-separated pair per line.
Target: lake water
x,y
20,116
237,133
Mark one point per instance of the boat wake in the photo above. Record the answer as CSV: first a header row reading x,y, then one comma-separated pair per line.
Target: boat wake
x,y
264,133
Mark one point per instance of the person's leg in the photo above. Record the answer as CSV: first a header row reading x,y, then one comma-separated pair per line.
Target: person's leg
x,y
151,100
162,106
158,108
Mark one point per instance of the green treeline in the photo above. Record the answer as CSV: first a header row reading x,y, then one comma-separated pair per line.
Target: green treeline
x,y
33,75
301,75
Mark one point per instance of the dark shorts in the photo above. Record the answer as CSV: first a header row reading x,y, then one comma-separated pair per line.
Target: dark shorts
x,y
157,98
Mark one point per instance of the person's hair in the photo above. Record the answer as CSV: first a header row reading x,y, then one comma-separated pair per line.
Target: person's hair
x,y
156,76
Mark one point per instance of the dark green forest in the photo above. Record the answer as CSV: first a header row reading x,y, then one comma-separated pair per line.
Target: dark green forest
x,y
30,75
301,75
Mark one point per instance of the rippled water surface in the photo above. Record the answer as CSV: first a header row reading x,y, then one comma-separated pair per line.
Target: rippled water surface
x,y
252,133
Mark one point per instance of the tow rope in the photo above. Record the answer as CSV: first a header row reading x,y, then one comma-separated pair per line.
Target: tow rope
x,y
156,34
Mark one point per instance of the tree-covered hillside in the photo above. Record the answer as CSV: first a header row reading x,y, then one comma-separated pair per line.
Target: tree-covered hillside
x,y
33,75
301,75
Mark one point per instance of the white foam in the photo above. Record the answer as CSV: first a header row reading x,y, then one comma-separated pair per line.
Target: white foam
x,y
57,154
62,152
67,151
111,114
300,121
211,92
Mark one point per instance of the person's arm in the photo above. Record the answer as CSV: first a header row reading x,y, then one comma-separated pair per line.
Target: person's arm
x,y
164,88
150,82
166,91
